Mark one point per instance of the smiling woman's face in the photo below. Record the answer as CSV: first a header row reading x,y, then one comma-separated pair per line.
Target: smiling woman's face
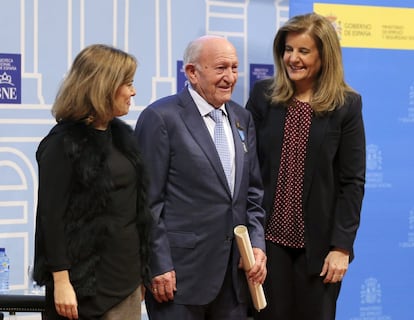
x,y
122,101
301,58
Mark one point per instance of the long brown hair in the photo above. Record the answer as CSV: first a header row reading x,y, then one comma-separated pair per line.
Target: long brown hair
x,y
330,88
88,91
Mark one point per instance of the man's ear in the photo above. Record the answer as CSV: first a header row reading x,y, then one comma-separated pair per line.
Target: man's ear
x,y
190,71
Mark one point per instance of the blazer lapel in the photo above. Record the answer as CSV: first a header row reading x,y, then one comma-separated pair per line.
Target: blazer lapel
x,y
316,134
275,121
198,129
239,135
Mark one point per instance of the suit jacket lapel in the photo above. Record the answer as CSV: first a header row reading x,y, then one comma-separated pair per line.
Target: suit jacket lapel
x,y
238,148
275,119
197,128
316,135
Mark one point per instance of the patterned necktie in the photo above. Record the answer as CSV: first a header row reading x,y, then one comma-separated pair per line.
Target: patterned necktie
x,y
221,143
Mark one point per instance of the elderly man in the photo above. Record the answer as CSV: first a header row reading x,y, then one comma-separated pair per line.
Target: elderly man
x,y
204,180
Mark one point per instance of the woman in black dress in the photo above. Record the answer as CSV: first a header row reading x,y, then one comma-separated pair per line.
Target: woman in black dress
x,y
91,242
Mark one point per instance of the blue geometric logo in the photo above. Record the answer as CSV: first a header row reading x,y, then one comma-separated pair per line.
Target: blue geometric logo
x,y
10,78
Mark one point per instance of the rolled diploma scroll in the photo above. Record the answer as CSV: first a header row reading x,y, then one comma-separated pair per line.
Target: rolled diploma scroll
x,y
245,247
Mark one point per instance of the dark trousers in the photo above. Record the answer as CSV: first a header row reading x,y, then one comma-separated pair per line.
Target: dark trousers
x,y
293,294
224,307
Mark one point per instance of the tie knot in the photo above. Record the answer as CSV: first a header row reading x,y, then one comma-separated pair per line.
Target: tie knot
x,y
217,115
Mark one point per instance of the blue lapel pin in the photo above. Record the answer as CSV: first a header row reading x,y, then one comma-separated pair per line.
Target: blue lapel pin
x,y
241,134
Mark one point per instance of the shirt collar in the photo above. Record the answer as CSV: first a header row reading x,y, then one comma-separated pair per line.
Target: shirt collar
x,y
202,105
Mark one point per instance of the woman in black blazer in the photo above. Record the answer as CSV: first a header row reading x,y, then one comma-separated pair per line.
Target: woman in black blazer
x,y
311,148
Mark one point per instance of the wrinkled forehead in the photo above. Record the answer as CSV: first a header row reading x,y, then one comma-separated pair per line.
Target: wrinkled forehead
x,y
218,50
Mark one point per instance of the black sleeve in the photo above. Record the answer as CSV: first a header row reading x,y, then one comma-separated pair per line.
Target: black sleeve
x,y
53,198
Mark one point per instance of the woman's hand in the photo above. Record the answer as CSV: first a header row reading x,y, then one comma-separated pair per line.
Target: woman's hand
x,y
66,303
335,266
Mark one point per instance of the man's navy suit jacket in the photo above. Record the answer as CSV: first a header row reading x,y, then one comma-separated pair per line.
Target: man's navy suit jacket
x,y
193,210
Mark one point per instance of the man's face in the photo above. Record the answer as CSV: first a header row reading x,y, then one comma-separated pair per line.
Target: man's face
x,y
215,74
